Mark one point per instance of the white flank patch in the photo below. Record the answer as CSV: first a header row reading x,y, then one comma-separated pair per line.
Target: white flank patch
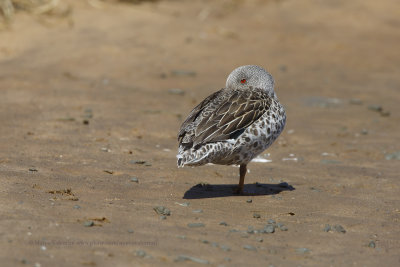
x,y
261,160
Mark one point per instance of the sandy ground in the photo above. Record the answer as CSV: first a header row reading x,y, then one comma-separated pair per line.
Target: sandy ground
x,y
92,98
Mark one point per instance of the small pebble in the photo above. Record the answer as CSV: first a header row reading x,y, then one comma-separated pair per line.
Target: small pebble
x,y
364,131
249,201
195,225
269,228
259,239
327,228
184,204
223,223
377,108
302,250
163,217
197,211
134,179
162,210
256,215
271,221
140,253
204,241
88,223
130,231
233,230
393,156
33,169
77,207
250,247
190,258
282,227
250,230
372,244
137,162
339,228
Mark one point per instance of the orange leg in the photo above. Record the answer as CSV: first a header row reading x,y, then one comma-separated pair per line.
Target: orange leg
x,y
242,171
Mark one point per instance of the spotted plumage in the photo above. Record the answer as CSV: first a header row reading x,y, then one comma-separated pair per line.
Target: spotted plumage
x,y
234,124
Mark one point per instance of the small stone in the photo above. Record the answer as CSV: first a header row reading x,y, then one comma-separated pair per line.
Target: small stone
x,y
197,211
204,241
182,237
88,224
147,164
137,162
162,210
282,227
271,221
393,156
385,113
339,228
77,207
85,122
269,228
163,217
250,230
134,179
327,228
364,131
196,225
33,169
214,244
259,239
372,244
140,253
130,231
223,223
108,171
233,230
256,215
190,258
184,204
249,201
250,247
377,108
302,250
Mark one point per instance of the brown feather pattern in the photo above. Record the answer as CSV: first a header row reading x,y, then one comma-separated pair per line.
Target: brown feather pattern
x,y
223,114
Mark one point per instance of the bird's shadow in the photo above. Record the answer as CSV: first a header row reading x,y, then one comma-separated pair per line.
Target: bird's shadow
x,y
226,190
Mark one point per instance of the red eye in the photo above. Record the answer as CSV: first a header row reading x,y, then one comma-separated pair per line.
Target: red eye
x,y
243,81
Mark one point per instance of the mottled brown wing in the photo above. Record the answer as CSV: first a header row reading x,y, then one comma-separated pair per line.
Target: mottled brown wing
x,y
230,117
187,124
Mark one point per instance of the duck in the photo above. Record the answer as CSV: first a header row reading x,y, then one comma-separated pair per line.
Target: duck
x,y
233,125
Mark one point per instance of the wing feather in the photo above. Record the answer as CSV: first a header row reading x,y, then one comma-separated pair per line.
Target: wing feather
x,y
222,115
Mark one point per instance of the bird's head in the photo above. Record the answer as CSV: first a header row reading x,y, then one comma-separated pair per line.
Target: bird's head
x,y
250,75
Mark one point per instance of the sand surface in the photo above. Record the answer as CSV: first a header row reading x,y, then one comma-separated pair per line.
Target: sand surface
x,y
94,94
